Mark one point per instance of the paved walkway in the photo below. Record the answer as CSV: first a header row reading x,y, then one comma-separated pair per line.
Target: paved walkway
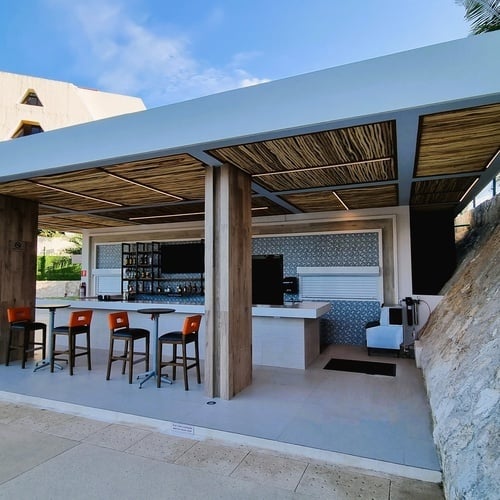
x,y
44,454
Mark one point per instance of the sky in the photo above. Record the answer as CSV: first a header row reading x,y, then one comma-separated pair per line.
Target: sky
x,y
166,51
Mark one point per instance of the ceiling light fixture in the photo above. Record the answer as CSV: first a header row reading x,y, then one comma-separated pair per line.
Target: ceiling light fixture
x,y
494,157
468,190
324,167
186,214
65,191
338,198
139,184
166,216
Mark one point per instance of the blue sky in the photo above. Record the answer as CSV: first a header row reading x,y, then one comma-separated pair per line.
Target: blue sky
x,y
167,51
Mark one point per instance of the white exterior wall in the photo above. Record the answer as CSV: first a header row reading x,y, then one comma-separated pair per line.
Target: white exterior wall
x,y
64,104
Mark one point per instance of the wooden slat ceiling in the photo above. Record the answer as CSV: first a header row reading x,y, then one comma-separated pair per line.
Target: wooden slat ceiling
x,y
459,141
349,156
330,170
363,153
456,142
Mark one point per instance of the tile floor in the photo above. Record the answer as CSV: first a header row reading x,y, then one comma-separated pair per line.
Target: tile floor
x,y
45,454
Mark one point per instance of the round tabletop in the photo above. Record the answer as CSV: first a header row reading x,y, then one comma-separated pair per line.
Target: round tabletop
x,y
52,306
155,310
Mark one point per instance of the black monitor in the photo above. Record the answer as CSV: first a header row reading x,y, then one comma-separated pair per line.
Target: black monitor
x,y
267,279
183,258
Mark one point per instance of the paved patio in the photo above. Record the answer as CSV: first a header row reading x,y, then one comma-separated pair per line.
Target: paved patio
x,y
47,454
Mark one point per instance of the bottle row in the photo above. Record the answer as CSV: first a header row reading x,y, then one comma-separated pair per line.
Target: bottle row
x,y
131,274
186,289
139,260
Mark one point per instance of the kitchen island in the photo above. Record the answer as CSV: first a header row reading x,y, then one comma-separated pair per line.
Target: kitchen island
x,y
285,336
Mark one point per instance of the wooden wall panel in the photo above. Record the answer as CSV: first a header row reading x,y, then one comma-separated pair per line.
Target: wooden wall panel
x,y
18,240
228,298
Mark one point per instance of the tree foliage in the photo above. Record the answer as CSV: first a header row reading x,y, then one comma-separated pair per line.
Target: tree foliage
x,y
77,243
57,268
483,15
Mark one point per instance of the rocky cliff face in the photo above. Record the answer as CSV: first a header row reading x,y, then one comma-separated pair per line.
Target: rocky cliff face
x,y
461,364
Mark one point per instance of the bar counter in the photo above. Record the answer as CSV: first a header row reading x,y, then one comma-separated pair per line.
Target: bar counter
x,y
285,336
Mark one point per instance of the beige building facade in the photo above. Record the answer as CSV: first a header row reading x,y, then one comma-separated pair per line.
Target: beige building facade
x,y
30,105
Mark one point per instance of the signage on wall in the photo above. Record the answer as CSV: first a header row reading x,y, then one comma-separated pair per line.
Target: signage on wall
x,y
17,245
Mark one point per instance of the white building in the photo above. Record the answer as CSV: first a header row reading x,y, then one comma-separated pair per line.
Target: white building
x,y
29,105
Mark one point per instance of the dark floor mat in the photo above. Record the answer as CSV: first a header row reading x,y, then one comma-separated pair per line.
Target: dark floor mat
x,y
370,367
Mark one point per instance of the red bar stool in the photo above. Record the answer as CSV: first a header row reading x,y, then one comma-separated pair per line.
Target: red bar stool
x,y
119,329
21,322
187,335
79,324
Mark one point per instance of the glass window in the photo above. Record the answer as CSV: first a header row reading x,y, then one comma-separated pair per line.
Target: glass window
x,y
27,129
32,99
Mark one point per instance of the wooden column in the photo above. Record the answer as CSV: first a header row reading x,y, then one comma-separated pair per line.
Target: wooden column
x,y
228,279
18,239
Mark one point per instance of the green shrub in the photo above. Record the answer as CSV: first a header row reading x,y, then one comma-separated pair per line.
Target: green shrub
x,y
57,268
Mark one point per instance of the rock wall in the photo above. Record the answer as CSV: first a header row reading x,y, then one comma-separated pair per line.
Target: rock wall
x,y
460,360
52,289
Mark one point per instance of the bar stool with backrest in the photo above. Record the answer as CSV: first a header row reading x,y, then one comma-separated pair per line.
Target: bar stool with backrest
x,y
79,324
119,329
21,322
188,334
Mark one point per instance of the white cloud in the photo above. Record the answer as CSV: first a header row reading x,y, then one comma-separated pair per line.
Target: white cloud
x,y
247,82
128,57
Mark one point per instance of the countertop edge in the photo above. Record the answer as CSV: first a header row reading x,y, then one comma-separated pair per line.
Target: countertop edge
x,y
303,310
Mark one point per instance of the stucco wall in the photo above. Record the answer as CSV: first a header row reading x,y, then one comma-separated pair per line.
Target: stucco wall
x,y
63,104
461,365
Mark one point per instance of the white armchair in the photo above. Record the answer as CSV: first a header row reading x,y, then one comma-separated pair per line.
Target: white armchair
x,y
386,333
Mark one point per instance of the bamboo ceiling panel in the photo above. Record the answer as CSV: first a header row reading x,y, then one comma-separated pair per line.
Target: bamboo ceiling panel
x,y
440,191
332,147
97,183
21,189
458,141
48,196
76,222
178,175
320,201
44,210
332,176
159,214
264,206
370,197
95,189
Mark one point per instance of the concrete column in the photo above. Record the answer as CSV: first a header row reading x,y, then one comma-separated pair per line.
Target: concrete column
x,y
228,278
18,239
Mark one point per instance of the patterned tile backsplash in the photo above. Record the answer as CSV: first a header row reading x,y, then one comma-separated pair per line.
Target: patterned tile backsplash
x,y
345,323
108,256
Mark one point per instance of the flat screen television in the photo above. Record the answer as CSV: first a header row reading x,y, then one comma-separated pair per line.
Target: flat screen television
x,y
267,279
183,258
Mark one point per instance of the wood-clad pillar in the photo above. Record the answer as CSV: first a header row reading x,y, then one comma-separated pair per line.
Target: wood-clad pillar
x,y
228,278
18,239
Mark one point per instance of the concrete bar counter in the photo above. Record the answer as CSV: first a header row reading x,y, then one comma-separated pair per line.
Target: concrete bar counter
x,y
285,336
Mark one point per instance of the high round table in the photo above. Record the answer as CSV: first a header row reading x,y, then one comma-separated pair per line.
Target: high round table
x,y
155,313
52,312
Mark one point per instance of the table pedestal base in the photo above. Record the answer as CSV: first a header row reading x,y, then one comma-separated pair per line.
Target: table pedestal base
x,y
46,362
52,312
155,314
152,373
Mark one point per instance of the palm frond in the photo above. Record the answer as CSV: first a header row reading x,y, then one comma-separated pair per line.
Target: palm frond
x,y
484,15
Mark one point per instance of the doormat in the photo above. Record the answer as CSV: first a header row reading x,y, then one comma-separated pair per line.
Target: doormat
x,y
370,367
